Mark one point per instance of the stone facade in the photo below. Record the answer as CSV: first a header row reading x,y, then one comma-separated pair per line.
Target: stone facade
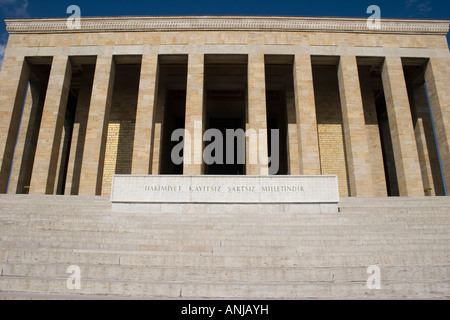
x,y
104,99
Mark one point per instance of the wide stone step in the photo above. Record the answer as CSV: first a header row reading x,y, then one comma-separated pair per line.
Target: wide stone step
x,y
149,237
299,248
241,230
215,289
225,274
192,221
345,290
224,255
305,234
190,259
121,243
393,201
334,243
239,239
395,213
61,244
95,287
224,249
68,235
353,215
396,210
306,260
355,218
30,296
187,226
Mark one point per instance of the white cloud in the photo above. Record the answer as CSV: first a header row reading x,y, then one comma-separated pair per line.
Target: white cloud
x,y
421,6
3,42
408,3
14,8
424,7
11,9
2,54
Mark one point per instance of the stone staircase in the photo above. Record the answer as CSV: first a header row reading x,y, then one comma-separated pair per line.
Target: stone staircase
x,y
223,255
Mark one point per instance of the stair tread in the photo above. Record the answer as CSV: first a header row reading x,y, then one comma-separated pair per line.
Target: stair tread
x,y
223,255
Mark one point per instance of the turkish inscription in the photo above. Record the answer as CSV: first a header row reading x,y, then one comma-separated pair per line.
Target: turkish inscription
x,y
172,188
225,189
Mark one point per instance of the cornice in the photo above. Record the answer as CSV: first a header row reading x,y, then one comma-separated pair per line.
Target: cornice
x,y
222,23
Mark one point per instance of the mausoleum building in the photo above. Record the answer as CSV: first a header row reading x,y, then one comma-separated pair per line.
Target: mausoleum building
x,y
371,106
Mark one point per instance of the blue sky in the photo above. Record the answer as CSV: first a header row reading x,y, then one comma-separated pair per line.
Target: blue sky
x,y
407,9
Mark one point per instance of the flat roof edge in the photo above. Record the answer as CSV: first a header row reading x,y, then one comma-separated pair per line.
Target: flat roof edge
x,y
226,23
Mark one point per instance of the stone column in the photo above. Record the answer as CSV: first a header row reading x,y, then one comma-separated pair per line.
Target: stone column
x,y
355,136
97,127
373,134
28,109
194,122
43,177
257,144
14,77
158,130
79,132
308,141
402,132
438,84
293,152
426,144
27,139
142,160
